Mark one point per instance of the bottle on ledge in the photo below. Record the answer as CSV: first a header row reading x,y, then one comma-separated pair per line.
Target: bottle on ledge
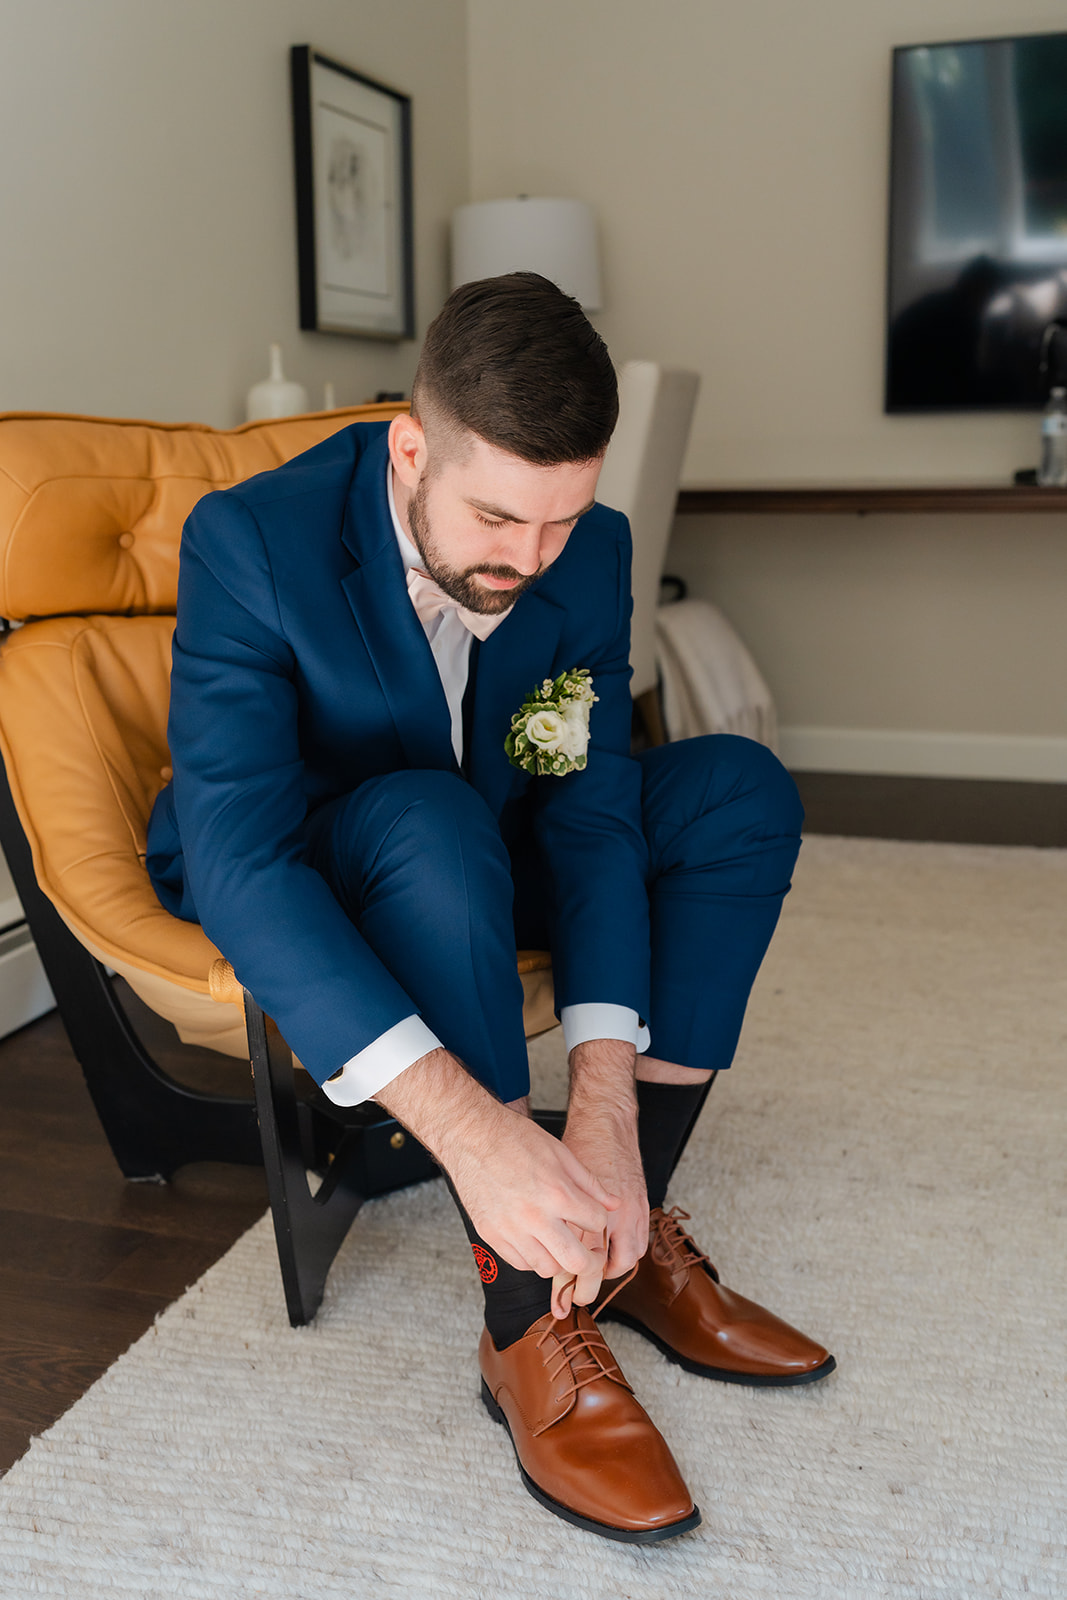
x,y
1053,468
275,396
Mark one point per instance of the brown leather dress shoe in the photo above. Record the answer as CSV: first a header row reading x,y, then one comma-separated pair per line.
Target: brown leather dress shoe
x,y
676,1300
587,1449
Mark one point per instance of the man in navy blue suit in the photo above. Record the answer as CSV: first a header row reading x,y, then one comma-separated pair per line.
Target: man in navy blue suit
x,y
357,633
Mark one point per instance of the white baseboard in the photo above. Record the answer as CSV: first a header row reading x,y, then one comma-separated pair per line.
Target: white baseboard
x,y
927,755
25,992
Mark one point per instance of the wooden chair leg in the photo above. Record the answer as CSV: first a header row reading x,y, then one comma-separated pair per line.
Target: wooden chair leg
x,y
153,1123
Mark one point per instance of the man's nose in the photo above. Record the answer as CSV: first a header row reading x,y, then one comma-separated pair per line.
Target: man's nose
x,y
525,552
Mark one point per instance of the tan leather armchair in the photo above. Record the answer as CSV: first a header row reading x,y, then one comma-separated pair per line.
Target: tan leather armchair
x,y
91,512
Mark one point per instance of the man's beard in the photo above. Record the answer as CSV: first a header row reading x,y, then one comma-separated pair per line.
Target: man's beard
x,y
461,585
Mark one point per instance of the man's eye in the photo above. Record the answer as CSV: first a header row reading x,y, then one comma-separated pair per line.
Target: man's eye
x,y
487,522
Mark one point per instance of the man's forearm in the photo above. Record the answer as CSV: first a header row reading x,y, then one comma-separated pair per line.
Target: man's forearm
x,y
438,1101
444,1106
602,1132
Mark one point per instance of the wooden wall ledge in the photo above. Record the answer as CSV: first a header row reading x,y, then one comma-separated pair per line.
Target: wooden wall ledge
x,y
856,498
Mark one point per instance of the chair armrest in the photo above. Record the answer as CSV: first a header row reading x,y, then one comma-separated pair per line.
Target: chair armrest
x,y
223,985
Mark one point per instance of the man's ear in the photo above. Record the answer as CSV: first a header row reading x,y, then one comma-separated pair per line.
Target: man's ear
x,y
407,449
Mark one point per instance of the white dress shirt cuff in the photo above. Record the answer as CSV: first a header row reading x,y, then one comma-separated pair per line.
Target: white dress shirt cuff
x,y
384,1059
596,1020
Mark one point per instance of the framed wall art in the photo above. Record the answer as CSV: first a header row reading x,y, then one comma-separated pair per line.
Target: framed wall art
x,y
352,147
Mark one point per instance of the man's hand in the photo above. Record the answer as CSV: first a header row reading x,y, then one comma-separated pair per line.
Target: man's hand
x,y
602,1132
529,1196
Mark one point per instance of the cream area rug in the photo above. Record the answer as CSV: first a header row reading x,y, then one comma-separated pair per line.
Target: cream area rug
x,y
884,1166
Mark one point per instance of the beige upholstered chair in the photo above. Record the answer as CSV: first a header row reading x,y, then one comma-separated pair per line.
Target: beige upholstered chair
x,y
640,477
91,512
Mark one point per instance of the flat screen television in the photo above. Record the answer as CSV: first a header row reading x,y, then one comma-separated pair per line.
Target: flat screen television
x,y
977,285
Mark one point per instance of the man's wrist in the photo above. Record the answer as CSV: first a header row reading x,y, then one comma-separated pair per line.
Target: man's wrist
x,y
602,1079
438,1100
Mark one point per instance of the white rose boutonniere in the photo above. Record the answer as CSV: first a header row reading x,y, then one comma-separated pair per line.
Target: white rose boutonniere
x,y
550,731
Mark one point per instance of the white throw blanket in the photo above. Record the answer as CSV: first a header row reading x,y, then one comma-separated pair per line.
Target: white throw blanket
x,y
710,682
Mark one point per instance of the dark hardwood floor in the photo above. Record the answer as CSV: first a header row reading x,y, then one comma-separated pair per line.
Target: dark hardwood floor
x,y
87,1259
949,810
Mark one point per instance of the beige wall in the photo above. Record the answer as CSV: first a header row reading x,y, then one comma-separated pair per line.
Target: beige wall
x,y
146,196
737,157
929,644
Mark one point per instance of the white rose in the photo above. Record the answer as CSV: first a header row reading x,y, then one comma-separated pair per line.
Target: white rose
x,y
576,729
546,730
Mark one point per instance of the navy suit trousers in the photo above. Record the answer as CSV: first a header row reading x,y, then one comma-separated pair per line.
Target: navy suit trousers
x,y
418,863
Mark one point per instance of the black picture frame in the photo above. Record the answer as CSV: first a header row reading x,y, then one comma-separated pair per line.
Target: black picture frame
x,y
354,211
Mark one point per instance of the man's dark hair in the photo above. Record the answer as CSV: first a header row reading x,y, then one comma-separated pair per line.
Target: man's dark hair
x,y
516,361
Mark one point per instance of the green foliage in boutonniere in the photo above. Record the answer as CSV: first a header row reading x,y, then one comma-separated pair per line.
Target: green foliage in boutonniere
x,y
550,731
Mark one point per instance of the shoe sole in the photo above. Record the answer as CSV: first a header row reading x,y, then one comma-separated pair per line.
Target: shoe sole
x,y
757,1380
605,1529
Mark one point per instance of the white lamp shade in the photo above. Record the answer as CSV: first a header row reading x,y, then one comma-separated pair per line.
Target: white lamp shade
x,y
556,238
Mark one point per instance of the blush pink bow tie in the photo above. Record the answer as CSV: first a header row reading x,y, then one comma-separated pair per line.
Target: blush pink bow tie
x,y
430,600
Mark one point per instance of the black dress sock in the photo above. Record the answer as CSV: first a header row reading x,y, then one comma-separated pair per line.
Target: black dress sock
x,y
514,1300
666,1116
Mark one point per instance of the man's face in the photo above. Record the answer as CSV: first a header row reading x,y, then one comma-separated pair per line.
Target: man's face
x,y
488,524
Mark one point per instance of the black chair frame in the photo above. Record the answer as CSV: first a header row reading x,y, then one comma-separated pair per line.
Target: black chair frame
x,y
155,1124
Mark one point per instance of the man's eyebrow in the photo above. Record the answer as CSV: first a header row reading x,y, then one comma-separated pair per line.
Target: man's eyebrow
x,y
509,516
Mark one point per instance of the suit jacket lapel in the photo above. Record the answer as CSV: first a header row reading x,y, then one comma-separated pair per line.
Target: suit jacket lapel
x,y
512,662
377,593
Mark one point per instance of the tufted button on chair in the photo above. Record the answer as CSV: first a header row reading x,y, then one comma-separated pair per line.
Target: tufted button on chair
x,y
91,512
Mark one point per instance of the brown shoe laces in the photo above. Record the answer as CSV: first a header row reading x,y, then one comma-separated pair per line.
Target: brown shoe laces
x,y
678,1244
584,1350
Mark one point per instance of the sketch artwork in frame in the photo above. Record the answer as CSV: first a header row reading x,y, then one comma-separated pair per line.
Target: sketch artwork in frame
x,y
352,144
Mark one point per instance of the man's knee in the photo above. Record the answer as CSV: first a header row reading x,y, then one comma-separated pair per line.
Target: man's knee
x,y
436,829
427,802
692,777
414,832
755,772
724,805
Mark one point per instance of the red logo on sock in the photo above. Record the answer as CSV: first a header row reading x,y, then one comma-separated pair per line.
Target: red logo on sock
x,y
487,1267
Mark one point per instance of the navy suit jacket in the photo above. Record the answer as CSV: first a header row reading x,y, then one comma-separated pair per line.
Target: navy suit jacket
x,y
300,670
